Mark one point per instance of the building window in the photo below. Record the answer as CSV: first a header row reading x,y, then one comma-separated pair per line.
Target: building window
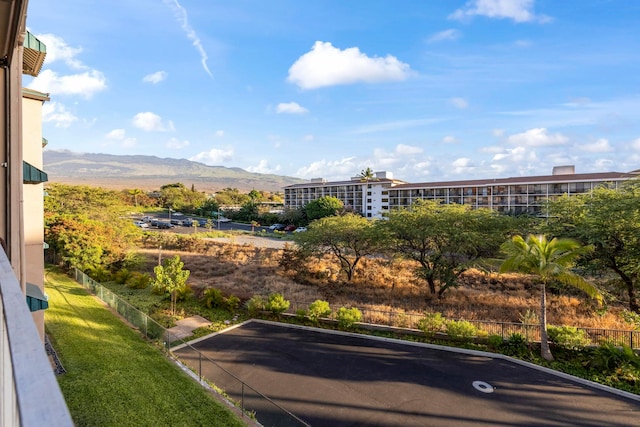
x,y
368,200
368,214
385,200
384,193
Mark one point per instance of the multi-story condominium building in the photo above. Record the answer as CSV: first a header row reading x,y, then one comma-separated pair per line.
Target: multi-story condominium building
x,y
516,195
29,392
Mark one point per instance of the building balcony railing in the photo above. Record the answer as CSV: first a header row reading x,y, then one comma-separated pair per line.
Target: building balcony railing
x,y
29,395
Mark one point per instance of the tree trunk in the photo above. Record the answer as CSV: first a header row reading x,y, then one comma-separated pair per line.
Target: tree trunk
x,y
545,351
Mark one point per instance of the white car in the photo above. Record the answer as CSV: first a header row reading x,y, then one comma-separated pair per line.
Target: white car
x,y
223,219
300,229
141,224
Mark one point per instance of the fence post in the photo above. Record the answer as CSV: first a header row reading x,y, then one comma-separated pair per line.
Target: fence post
x,y
242,399
200,365
502,330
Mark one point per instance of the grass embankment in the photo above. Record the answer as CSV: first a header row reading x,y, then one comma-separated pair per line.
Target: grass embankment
x,y
114,377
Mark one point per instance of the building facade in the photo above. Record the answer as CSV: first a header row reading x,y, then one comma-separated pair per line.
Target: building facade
x,y
517,195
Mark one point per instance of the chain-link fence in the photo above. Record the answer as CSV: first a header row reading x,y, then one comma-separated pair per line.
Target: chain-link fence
x,y
250,401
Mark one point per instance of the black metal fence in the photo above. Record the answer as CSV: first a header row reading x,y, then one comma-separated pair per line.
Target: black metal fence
x,y
400,319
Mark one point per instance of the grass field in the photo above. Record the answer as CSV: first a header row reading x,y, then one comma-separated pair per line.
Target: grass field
x,y
114,377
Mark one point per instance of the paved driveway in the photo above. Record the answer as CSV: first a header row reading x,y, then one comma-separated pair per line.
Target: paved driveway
x,y
335,380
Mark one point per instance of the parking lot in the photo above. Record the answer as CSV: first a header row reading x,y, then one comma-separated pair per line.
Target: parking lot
x,y
336,379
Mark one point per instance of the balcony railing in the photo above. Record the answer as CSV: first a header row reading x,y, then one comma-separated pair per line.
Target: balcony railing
x,y
29,393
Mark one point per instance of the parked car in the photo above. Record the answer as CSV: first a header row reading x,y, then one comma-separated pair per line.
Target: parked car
x,y
141,224
290,227
146,219
300,230
162,224
202,222
187,222
273,227
178,214
154,222
176,222
223,219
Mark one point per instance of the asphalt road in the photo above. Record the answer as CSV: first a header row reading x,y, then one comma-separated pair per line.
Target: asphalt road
x,y
337,380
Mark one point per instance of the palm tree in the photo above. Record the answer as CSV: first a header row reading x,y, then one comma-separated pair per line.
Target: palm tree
x,y
549,260
367,175
135,193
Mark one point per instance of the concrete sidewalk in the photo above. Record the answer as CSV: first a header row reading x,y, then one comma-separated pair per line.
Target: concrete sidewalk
x,y
185,327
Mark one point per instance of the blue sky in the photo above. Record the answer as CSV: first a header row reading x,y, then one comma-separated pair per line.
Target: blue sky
x,y
429,90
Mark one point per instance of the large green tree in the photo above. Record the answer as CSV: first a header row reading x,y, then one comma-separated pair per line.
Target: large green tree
x,y
609,220
323,207
348,238
549,260
445,239
170,278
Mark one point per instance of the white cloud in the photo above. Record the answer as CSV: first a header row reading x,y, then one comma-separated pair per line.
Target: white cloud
x,y
152,122
180,14
309,138
403,149
604,164
537,137
492,149
56,113
215,156
329,169
59,50
155,78
120,135
116,134
450,34
84,84
462,165
219,133
397,125
498,133
291,108
449,139
636,144
517,10
515,155
263,167
326,65
176,144
460,103
600,146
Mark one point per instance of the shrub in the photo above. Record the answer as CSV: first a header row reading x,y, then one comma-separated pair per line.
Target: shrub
x,y
100,274
568,337
183,293
347,317
318,309
632,318
609,357
212,298
138,280
122,276
461,329
277,304
516,345
495,342
431,323
255,305
231,303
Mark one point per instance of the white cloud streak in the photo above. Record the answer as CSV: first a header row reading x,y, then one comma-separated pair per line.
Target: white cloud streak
x,y
326,65
447,35
536,138
291,108
516,10
155,78
180,14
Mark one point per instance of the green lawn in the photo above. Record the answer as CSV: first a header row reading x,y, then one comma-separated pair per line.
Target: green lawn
x,y
114,377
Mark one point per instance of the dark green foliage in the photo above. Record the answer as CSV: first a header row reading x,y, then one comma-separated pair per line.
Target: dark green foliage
x,y
461,329
139,280
212,298
432,323
516,345
323,207
610,357
121,276
255,305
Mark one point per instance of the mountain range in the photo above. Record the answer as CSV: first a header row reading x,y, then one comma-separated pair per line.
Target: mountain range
x,y
151,172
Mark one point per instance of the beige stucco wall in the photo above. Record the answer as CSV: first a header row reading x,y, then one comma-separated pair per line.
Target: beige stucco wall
x,y
33,196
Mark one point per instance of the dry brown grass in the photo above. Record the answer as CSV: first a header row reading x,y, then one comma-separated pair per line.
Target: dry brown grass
x,y
385,285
